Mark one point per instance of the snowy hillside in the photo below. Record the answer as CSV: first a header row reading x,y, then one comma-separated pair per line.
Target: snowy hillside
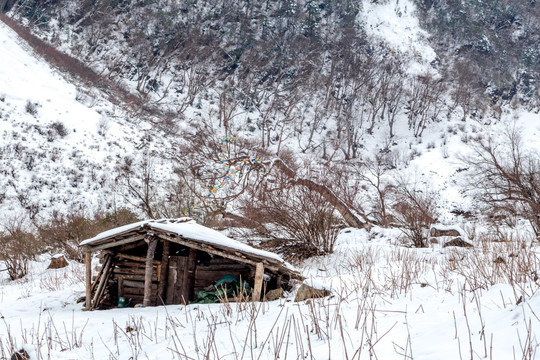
x,y
60,142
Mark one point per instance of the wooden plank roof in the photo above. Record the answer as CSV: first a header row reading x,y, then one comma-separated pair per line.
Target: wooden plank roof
x,y
187,232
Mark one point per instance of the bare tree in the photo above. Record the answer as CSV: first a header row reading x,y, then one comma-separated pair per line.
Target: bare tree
x,y
424,102
507,175
139,183
374,172
414,209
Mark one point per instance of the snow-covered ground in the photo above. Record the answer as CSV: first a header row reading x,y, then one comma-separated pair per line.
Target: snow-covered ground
x,y
388,302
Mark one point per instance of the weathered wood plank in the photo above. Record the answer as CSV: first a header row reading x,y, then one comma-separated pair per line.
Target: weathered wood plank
x,y
107,267
120,288
171,280
181,263
189,276
126,270
163,271
88,263
149,269
113,243
133,277
137,284
139,259
257,287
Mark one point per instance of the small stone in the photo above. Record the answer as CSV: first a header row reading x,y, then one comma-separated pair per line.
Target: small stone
x,y
274,294
457,242
308,292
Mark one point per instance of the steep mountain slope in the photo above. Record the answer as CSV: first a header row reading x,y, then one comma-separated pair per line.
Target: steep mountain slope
x,y
346,94
60,142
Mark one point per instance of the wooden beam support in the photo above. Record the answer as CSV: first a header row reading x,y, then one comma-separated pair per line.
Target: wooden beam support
x,y
133,245
163,276
189,276
113,243
152,243
257,287
136,258
209,249
88,263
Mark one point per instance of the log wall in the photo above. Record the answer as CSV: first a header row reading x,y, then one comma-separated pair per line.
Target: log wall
x,y
130,276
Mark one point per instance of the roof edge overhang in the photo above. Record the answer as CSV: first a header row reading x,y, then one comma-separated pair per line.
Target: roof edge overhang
x,y
146,231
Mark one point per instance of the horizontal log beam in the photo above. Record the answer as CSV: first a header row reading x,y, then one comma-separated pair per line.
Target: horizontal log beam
x,y
141,259
113,243
211,250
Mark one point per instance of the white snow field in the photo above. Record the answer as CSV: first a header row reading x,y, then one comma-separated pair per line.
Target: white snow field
x,y
387,302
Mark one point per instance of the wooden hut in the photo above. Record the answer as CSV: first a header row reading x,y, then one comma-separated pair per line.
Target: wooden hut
x,y
168,261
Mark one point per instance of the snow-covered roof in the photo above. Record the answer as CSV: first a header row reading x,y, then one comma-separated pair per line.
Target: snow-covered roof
x,y
188,229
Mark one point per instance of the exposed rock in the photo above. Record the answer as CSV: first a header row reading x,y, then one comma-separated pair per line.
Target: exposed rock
x,y
58,262
437,232
448,235
458,242
274,294
308,292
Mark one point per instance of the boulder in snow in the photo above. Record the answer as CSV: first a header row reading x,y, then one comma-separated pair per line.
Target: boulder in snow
x,y
57,262
307,292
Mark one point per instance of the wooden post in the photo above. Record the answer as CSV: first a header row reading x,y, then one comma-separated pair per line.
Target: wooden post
x,y
189,276
171,281
257,287
88,263
148,271
120,288
163,278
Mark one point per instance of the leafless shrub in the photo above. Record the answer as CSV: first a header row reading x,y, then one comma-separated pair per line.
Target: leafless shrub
x,y
63,233
375,173
414,210
303,223
507,176
59,128
103,126
17,248
139,182
31,107
501,258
